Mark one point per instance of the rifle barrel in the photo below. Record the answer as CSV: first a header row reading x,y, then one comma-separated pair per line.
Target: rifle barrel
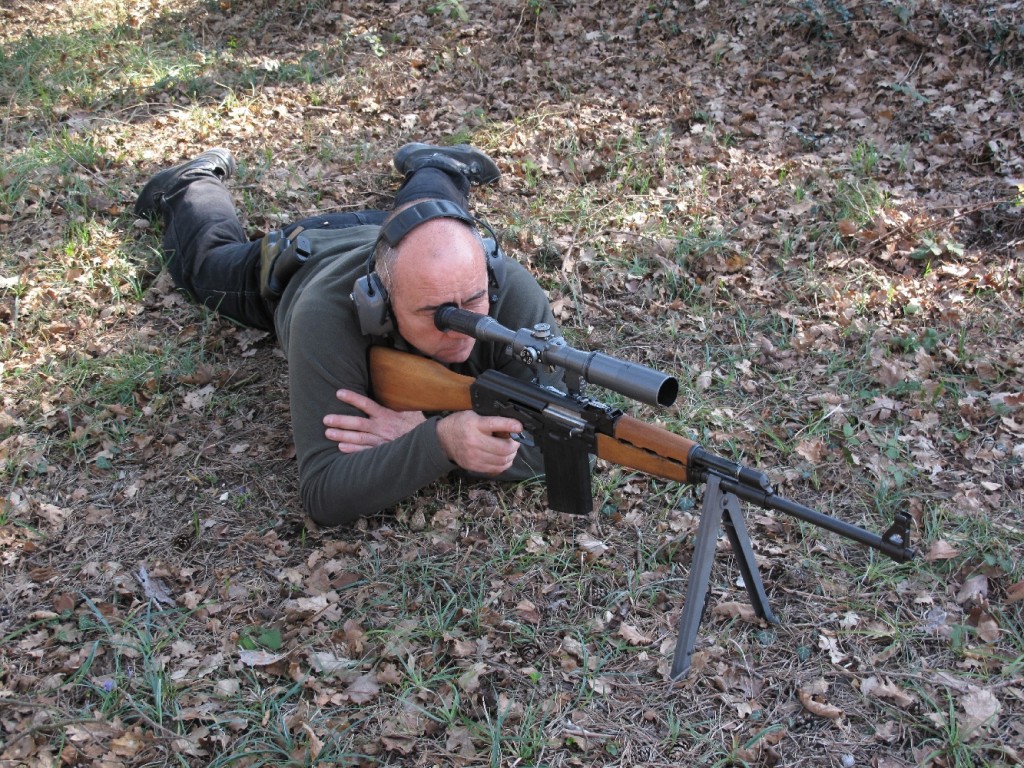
x,y
897,550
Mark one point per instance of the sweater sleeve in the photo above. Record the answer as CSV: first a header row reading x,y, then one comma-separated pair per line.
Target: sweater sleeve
x,y
324,355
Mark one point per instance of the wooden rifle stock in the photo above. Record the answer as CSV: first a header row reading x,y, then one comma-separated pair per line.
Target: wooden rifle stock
x,y
406,382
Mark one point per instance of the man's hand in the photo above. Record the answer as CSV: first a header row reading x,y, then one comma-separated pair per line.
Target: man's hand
x,y
379,425
479,443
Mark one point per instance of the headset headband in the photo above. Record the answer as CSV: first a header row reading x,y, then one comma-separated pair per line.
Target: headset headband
x,y
370,297
410,218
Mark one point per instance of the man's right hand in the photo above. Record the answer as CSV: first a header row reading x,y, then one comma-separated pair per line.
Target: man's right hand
x,y
380,425
479,443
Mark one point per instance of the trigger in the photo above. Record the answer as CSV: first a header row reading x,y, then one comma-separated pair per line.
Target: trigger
x,y
523,438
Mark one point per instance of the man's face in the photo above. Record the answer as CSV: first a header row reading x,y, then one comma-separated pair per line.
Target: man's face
x,y
440,262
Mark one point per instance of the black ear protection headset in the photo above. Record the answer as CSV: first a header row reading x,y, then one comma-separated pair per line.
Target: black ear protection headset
x,y
370,297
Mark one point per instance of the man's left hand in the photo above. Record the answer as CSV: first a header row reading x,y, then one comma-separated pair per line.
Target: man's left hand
x,y
379,425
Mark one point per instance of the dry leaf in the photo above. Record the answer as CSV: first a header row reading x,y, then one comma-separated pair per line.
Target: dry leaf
x,y
1015,592
260,658
735,610
528,612
819,708
127,744
814,451
363,689
584,738
198,399
593,548
469,681
64,602
573,647
890,373
154,588
632,635
53,514
328,663
987,626
981,711
402,744
872,686
941,550
975,588
306,606
461,648
316,746
459,740
389,674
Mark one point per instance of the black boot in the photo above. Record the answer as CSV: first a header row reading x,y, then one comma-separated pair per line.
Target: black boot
x,y
462,159
216,162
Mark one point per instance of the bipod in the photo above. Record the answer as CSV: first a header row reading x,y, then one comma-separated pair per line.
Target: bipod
x,y
720,509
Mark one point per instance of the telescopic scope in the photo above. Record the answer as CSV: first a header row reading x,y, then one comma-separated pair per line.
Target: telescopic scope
x,y
538,345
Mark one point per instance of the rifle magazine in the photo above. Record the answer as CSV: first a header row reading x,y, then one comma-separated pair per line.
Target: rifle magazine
x,y
567,473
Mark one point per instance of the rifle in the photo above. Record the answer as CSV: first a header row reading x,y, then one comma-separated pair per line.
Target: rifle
x,y
570,426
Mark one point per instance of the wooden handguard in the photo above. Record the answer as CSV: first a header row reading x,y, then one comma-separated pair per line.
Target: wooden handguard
x,y
650,449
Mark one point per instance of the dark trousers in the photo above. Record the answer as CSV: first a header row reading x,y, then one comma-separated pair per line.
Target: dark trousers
x,y
210,257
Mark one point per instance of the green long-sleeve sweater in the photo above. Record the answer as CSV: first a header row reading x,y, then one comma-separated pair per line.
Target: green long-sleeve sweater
x,y
319,331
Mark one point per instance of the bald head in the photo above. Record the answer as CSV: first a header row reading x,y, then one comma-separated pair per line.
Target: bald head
x,y
441,261
431,239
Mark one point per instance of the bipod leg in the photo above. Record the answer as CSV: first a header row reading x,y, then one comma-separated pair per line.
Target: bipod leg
x,y
720,509
700,575
739,539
